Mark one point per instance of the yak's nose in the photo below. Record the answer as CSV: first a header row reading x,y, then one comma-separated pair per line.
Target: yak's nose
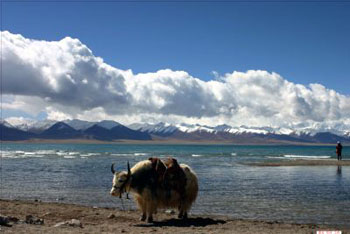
x,y
112,192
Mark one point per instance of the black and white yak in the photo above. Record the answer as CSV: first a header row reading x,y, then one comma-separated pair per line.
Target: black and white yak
x,y
141,181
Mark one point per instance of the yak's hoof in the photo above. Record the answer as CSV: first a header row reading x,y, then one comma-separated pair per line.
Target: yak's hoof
x,y
184,216
143,218
149,220
180,216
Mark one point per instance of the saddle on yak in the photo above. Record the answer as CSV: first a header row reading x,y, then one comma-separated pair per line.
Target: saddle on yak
x,y
170,175
159,167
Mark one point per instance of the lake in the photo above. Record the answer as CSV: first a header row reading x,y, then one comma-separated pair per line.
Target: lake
x,y
80,173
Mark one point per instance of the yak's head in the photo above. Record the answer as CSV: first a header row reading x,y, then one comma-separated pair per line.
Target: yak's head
x,y
121,180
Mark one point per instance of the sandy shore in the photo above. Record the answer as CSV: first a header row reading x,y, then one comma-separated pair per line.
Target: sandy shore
x,y
107,220
302,162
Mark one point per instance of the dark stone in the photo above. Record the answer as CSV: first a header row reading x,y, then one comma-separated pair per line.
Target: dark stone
x,y
30,219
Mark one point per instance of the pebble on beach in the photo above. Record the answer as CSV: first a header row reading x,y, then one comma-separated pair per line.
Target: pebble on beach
x,y
70,223
7,221
30,219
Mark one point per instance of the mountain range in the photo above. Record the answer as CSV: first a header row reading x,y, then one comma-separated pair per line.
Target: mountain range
x,y
109,130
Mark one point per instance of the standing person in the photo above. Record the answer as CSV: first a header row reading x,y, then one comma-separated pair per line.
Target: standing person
x,y
338,148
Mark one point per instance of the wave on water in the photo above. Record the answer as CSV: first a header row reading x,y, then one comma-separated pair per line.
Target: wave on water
x,y
45,153
233,154
305,156
197,155
122,155
276,157
69,156
89,155
140,154
13,154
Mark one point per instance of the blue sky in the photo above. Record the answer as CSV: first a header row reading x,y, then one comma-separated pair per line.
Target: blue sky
x,y
304,42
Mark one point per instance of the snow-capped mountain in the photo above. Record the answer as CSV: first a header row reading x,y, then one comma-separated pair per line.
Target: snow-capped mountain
x,y
32,125
110,130
242,133
10,133
347,134
161,129
6,123
190,128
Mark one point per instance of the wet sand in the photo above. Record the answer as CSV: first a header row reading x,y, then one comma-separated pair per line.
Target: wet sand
x,y
302,162
108,220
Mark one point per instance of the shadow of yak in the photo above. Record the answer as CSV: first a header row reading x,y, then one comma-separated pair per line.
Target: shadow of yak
x,y
195,222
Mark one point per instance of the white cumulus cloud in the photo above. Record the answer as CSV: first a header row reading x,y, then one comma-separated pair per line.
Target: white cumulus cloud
x,y
65,79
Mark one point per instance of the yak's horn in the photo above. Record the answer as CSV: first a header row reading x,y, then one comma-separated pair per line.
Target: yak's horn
x,y
129,172
112,168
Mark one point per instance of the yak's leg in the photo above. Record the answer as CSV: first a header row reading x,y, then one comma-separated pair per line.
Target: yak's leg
x,y
181,211
150,218
149,212
152,209
183,208
182,214
151,206
142,207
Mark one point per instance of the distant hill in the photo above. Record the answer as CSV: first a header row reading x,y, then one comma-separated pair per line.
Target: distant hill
x,y
12,134
99,133
122,132
61,130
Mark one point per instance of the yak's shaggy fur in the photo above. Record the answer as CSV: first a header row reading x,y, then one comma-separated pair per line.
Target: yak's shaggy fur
x,y
149,195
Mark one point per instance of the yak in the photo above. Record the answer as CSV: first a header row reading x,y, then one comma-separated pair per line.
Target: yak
x,y
142,180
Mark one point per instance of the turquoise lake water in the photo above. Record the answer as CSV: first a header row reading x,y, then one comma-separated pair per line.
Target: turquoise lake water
x,y
80,173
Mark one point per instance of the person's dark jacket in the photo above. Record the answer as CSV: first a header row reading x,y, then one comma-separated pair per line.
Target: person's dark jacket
x,y
338,148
